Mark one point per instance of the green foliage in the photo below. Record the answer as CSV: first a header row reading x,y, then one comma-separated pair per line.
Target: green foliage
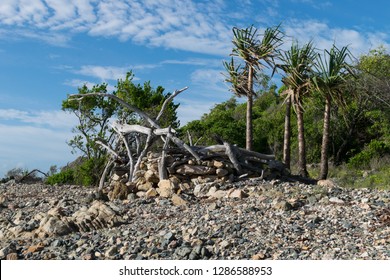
x,y
94,112
88,172
147,99
376,62
227,120
63,177
374,149
85,172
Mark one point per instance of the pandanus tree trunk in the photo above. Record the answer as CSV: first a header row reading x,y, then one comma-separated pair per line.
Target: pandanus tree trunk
x,y
249,105
302,171
287,134
325,140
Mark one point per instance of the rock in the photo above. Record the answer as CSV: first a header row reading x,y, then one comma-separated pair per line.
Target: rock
x,y
218,164
140,194
218,194
151,177
116,177
326,183
12,256
236,193
98,216
145,187
34,248
312,200
202,190
151,193
336,200
187,169
212,206
259,256
87,257
177,200
165,188
183,251
121,191
112,251
53,225
9,249
3,201
225,244
283,205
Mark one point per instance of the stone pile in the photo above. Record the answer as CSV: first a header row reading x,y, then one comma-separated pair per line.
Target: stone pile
x,y
187,176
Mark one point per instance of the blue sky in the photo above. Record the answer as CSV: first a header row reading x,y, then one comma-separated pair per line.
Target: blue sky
x,y
48,48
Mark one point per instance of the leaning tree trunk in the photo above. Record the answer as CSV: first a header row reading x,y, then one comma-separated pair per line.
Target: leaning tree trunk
x,y
287,134
325,140
302,171
249,105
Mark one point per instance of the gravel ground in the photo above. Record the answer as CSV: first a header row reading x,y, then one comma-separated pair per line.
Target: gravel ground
x,y
277,220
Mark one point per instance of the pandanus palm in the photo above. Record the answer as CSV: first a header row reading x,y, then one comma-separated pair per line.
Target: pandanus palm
x,y
297,66
256,54
333,71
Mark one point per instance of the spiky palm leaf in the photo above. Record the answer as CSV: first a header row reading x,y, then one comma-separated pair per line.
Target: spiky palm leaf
x,y
297,65
333,70
237,77
254,51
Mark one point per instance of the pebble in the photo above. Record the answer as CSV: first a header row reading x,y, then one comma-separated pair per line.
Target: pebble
x,y
273,220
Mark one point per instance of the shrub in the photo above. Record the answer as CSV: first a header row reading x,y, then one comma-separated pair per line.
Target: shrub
x,y
64,177
85,172
374,149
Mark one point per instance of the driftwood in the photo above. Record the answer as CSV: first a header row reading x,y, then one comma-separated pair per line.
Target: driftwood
x,y
134,142
28,175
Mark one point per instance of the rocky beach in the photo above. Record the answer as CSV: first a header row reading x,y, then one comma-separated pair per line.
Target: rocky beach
x,y
248,219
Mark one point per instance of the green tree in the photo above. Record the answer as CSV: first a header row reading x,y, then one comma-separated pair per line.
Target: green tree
x,y
297,66
94,114
147,99
256,54
331,78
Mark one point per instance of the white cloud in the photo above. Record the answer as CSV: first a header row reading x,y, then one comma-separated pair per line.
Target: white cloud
x,y
104,73
324,36
54,119
186,25
211,80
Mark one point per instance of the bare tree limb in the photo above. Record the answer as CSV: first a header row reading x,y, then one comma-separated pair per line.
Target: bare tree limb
x,y
168,100
162,168
229,150
109,149
131,161
105,171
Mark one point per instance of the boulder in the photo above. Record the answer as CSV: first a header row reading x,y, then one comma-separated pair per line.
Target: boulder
x,y
178,200
326,183
151,193
165,188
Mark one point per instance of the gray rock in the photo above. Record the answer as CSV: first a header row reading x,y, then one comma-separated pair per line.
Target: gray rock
x,y
336,200
183,251
112,251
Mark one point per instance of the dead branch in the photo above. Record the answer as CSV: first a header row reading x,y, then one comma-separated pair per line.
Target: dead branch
x,y
168,100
